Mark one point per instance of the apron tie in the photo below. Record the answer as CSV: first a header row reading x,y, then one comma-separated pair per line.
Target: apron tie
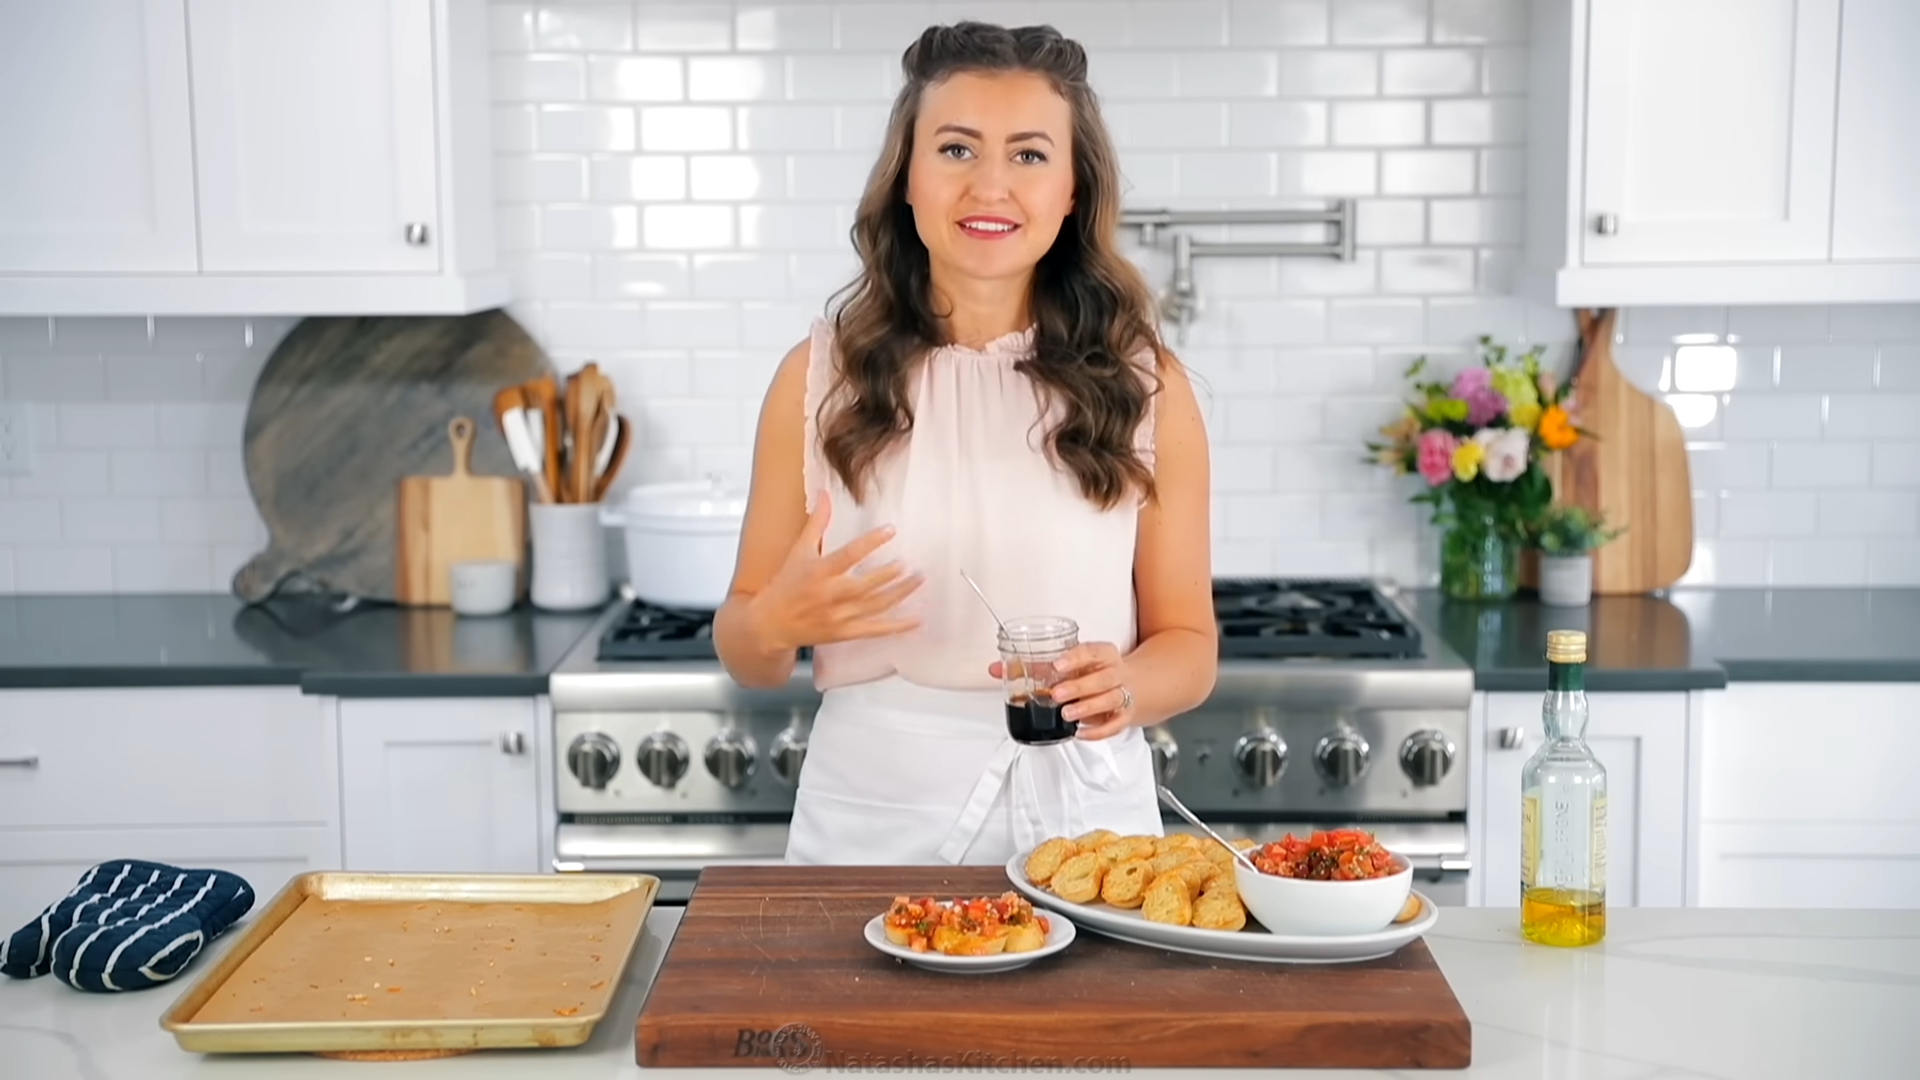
x,y
1046,786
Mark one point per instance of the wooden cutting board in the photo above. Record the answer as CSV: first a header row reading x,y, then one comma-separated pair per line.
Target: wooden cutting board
x,y
764,947
344,408
447,519
1634,470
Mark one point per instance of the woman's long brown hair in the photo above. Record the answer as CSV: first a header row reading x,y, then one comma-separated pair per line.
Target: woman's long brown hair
x,y
1093,313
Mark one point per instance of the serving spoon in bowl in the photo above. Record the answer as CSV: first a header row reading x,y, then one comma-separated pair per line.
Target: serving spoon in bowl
x,y
1167,797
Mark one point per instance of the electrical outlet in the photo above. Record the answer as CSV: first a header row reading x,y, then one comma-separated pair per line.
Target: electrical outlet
x,y
16,439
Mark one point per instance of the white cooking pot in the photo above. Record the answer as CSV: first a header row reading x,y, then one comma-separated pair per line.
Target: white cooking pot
x,y
682,539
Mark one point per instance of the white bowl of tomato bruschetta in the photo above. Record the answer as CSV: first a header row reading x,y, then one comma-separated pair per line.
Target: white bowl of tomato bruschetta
x,y
978,935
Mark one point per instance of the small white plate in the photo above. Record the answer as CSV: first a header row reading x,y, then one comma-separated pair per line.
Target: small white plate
x,y
1253,943
1060,934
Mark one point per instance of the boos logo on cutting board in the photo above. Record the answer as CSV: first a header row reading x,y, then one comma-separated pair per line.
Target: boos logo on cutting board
x,y
795,1047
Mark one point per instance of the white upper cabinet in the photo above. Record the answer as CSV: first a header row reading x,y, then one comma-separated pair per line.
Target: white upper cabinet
x,y
314,126
94,119
1876,199
1723,152
1710,130
242,157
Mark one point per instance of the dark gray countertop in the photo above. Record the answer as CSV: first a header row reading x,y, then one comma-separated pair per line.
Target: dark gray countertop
x,y
374,650
1691,639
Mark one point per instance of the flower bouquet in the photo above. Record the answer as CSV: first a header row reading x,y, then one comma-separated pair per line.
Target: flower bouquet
x,y
1478,442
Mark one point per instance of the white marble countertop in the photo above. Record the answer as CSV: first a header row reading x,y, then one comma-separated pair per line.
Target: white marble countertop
x,y
1672,993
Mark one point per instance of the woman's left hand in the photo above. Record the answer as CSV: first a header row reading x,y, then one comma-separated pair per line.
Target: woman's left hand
x,y
1093,687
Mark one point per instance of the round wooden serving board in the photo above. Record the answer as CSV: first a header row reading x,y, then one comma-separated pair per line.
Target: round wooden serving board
x,y
345,408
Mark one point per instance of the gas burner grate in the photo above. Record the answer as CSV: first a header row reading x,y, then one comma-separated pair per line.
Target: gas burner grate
x,y
1265,618
650,632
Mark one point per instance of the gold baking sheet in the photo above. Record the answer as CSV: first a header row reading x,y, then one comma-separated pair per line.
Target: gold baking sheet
x,y
430,963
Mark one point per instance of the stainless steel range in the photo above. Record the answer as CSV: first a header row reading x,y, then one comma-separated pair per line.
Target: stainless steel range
x,y
1331,708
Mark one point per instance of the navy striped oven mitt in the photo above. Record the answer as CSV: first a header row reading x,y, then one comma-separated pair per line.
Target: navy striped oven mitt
x,y
128,925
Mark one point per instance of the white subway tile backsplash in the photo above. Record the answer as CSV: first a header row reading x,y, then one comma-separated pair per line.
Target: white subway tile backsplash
x,y
640,277
1271,420
785,127
1477,221
1229,75
1379,123
1728,563
540,178
584,27
539,78
66,474
227,474
1265,517
1277,123
1479,21
1329,74
115,334
1899,367
1826,367
648,178
62,569
1278,22
595,326
555,276
673,324
1893,562
1390,221
739,277
86,426
1460,322
1227,175
109,521
1895,464
1321,559
1857,322
1376,322
1429,72
782,27
1330,277
1332,173
1380,22
152,377
837,77
1241,558
513,27
1174,125
685,27
589,228
153,473
170,569
670,423
1428,172
1862,416
1817,562
828,177
1479,122
1755,418
1864,513
56,378
187,333
1240,468
1768,513
1822,465
24,333
1721,467
1426,271
586,128
1706,515
737,177
736,78
1794,323
209,521
1178,23
1503,70
685,128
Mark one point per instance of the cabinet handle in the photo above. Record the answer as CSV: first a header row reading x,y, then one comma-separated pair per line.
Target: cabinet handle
x,y
416,234
1606,224
513,742
31,761
1511,738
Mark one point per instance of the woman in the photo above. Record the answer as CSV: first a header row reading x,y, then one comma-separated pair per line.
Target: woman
x,y
990,397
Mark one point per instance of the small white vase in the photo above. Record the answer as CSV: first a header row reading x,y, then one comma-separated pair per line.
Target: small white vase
x,y
1566,580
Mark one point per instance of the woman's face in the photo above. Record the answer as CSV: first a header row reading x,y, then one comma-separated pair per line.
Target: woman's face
x,y
990,176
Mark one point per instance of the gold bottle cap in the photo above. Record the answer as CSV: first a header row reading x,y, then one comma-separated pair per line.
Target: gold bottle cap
x,y
1567,646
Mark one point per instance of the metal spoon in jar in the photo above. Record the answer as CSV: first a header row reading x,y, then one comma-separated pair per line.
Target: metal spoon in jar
x,y
1167,797
1027,675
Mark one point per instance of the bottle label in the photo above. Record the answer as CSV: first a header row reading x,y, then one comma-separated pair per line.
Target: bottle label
x,y
1529,839
1599,869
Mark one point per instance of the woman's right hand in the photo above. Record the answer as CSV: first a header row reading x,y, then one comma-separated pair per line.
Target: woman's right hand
x,y
816,598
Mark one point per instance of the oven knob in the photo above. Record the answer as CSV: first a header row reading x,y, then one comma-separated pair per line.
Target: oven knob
x,y
593,759
1166,754
1426,756
730,757
788,753
1342,757
1261,757
662,758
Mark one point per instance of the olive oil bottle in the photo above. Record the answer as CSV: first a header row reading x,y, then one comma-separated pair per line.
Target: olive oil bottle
x,y
1563,812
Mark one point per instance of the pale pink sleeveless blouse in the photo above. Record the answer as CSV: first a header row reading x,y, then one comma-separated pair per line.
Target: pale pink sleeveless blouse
x,y
971,488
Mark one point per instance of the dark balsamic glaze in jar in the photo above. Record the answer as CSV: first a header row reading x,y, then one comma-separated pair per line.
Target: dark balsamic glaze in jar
x,y
1037,721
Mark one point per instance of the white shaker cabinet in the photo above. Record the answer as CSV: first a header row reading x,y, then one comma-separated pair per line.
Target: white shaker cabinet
x,y
1709,130
1876,202
1641,739
234,157
440,784
95,121
242,779
1722,152
1807,797
314,129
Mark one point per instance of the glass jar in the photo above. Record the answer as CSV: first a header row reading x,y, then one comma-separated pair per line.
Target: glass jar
x,y
1478,560
1028,649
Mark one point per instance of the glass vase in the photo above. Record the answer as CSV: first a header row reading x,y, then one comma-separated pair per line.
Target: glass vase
x,y
1478,561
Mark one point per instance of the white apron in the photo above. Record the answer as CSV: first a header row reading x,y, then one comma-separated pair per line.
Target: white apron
x,y
901,774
